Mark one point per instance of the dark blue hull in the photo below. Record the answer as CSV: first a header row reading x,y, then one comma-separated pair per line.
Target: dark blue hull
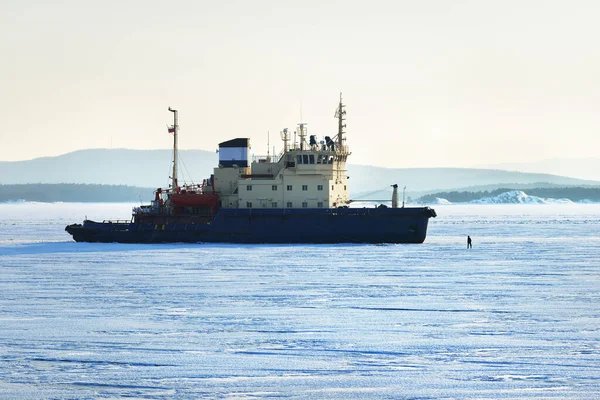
x,y
341,225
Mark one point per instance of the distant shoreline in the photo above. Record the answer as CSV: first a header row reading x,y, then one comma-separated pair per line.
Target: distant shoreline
x,y
73,193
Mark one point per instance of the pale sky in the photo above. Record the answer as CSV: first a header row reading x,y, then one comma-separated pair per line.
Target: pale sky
x,y
427,83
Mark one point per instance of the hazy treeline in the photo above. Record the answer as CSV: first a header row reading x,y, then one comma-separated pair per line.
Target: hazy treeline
x,y
75,192
72,192
571,193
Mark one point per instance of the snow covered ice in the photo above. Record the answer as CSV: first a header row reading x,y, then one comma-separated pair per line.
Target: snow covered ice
x,y
515,317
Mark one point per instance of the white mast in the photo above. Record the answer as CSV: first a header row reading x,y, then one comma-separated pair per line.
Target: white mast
x,y
395,196
175,129
340,112
285,138
268,145
302,129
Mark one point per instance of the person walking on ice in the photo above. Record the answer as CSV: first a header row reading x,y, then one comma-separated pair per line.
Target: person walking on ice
x,y
469,243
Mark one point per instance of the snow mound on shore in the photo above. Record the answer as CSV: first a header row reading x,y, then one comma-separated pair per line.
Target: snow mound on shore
x,y
518,197
441,201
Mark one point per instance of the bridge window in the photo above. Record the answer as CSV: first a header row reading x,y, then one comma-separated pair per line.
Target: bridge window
x,y
304,204
311,158
299,159
319,187
289,204
305,158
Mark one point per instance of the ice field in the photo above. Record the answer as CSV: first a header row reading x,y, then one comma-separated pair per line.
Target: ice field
x,y
518,316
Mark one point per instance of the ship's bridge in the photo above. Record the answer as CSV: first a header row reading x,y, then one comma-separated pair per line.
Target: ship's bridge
x,y
305,174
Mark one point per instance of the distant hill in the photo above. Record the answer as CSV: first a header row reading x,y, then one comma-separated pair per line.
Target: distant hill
x,y
584,168
151,168
419,181
145,168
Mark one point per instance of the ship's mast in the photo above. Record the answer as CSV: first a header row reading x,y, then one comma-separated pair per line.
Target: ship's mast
x,y
175,129
302,130
340,113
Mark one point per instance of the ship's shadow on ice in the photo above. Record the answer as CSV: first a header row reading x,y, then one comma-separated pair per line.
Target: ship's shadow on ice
x,y
74,247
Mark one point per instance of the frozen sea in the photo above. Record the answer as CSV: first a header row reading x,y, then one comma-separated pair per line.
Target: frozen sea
x,y
518,316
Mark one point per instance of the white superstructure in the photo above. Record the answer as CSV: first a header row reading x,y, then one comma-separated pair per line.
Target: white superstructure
x,y
305,175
